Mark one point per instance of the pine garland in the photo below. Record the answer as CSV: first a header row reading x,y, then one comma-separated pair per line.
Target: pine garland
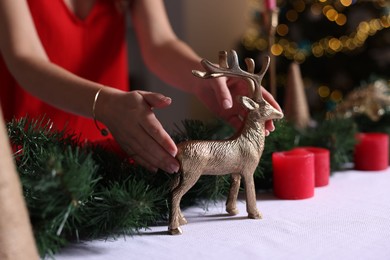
x,y
71,191
76,190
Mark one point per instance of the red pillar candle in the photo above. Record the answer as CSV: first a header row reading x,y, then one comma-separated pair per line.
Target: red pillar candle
x,y
371,152
321,165
270,5
293,174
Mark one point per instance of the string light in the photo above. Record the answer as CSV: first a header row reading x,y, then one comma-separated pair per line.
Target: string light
x,y
325,46
346,3
336,96
282,29
332,10
323,91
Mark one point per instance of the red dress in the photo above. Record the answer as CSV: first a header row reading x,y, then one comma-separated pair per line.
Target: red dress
x,y
93,48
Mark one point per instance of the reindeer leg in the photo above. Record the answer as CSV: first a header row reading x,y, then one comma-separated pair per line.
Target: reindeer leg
x,y
182,219
174,184
231,206
251,206
186,183
175,181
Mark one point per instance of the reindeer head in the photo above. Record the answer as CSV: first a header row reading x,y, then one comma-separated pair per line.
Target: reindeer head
x,y
261,111
259,108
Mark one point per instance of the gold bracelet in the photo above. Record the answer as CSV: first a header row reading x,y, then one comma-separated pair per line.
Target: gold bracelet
x,y
103,131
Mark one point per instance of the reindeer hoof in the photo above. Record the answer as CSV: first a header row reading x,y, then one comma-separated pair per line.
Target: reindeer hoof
x,y
183,221
257,215
232,212
175,231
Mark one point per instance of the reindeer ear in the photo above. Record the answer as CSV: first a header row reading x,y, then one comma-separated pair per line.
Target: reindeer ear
x,y
248,102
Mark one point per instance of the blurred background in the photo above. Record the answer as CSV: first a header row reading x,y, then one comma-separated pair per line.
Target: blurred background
x,y
340,45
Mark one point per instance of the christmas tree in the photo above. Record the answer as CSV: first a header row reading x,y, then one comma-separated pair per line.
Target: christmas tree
x,y
339,44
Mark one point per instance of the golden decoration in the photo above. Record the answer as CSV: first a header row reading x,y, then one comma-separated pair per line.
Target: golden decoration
x,y
372,100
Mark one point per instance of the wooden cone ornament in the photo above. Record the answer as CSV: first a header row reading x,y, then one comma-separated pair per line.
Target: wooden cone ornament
x,y
296,106
16,236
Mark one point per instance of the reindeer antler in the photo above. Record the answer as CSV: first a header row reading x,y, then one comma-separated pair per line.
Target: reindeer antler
x,y
231,68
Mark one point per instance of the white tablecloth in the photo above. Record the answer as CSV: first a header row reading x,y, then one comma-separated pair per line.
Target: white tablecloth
x,y
348,219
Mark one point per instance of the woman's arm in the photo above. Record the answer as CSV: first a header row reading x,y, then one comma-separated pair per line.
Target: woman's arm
x,y
173,60
165,55
29,64
128,115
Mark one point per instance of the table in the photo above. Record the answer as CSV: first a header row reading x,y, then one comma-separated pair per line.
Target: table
x,y
348,219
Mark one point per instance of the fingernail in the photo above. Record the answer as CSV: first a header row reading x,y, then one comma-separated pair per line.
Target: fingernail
x,y
173,153
173,168
227,104
167,99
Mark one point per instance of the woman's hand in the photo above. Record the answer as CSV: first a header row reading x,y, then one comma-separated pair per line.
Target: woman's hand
x,y
130,118
217,94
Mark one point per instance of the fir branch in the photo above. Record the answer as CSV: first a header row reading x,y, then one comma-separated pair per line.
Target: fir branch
x,y
198,130
365,124
123,208
57,176
337,135
207,187
283,139
86,191
55,192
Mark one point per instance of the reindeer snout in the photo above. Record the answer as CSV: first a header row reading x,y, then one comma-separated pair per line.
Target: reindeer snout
x,y
277,114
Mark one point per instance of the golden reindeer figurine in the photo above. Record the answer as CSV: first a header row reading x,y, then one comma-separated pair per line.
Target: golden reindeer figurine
x,y
238,156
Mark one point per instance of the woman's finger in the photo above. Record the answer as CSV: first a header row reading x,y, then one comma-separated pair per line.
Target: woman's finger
x,y
222,93
147,151
270,99
155,100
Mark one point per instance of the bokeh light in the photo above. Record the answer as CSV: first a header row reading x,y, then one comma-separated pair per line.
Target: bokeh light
x,y
323,91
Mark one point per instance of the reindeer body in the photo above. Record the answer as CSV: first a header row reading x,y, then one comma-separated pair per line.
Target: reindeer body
x,y
238,156
222,157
